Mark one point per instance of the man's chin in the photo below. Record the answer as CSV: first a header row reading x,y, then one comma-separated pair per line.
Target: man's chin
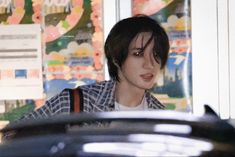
x,y
147,87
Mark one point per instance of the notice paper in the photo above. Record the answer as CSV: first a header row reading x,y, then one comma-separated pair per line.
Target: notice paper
x,y
21,62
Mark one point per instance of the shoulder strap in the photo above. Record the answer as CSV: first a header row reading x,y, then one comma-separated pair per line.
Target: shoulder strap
x,y
76,100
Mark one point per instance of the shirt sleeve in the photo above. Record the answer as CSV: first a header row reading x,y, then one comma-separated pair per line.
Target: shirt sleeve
x,y
58,104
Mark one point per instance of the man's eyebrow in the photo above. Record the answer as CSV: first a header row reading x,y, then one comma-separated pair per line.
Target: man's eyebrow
x,y
137,48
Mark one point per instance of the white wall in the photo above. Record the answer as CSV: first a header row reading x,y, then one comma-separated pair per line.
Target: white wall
x,y
213,72
204,55
231,28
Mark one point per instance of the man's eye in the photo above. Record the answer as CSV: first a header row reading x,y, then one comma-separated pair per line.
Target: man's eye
x,y
139,53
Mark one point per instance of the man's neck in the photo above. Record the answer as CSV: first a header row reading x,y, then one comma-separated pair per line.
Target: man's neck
x,y
128,95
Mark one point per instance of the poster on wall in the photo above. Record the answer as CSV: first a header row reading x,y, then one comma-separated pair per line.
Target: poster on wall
x,y
174,87
71,47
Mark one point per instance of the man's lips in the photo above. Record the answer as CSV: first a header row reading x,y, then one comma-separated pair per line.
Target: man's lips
x,y
147,76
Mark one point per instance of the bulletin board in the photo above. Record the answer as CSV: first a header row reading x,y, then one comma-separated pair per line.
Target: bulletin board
x,y
72,47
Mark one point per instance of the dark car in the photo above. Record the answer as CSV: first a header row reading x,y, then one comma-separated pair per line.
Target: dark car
x,y
138,133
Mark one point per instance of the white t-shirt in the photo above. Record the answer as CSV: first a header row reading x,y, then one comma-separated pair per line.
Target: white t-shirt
x,y
142,106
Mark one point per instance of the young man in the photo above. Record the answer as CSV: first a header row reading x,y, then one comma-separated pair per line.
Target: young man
x,y
136,50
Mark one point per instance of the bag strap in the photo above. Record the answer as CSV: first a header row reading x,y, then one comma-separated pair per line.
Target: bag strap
x,y
76,100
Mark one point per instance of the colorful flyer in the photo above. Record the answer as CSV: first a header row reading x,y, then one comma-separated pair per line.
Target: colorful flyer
x,y
74,44
174,87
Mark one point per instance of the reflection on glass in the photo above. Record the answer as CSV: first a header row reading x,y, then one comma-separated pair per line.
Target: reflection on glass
x,y
173,128
151,145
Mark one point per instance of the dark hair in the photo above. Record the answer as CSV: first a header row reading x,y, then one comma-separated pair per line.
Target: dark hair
x,y
121,35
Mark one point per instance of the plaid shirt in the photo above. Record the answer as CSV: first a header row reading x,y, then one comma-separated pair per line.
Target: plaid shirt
x,y
97,97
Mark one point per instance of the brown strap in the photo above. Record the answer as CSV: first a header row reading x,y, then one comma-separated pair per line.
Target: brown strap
x,y
76,98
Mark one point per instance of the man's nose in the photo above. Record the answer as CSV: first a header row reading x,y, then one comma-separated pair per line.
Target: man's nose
x,y
148,60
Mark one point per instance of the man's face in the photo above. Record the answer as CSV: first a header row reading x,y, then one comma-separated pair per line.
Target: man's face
x,y
140,68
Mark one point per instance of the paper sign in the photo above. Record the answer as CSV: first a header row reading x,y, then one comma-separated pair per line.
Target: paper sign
x,y
20,62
